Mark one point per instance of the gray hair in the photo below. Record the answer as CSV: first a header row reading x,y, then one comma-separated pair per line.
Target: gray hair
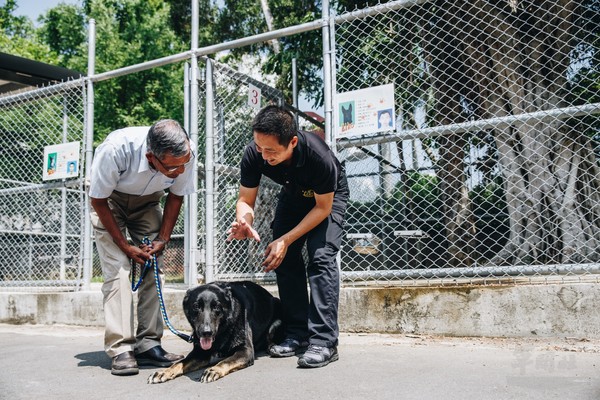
x,y
167,136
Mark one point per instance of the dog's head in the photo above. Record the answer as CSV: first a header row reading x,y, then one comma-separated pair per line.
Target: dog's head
x,y
208,309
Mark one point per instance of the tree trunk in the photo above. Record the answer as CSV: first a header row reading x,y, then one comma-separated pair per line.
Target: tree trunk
x,y
450,82
515,57
264,4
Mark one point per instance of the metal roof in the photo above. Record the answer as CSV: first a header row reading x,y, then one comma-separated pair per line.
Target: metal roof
x,y
19,73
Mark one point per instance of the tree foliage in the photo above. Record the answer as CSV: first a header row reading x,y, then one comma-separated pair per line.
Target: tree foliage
x,y
18,36
128,32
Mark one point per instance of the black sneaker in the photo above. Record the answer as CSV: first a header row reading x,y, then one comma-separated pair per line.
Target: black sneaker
x,y
318,356
289,347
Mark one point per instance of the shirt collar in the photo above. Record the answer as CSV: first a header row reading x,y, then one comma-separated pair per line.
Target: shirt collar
x,y
144,164
299,153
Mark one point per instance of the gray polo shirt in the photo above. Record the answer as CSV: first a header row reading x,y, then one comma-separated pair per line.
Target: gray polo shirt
x,y
120,164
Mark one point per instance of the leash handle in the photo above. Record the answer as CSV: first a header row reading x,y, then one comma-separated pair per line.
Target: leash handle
x,y
153,264
136,285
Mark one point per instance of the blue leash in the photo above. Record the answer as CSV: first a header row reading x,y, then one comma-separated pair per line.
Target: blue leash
x,y
152,263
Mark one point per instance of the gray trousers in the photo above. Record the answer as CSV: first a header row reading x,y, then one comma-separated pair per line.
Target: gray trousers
x,y
315,317
140,216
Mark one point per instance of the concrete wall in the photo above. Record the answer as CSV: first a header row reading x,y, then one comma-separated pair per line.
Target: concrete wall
x,y
556,310
495,311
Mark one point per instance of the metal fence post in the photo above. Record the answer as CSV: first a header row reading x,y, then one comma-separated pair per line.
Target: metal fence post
x,y
192,210
327,83
295,88
209,174
186,201
89,144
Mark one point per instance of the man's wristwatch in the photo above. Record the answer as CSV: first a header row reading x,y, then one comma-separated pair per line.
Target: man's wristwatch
x,y
163,241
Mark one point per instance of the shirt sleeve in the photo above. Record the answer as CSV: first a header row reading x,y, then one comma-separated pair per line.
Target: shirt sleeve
x,y
327,180
250,167
105,171
184,183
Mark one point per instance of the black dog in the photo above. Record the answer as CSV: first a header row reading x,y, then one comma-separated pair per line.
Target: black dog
x,y
347,117
229,320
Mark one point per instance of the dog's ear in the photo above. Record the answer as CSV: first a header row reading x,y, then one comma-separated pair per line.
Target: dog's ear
x,y
187,307
186,298
228,296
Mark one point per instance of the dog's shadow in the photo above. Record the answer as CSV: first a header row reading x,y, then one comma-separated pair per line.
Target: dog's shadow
x,y
197,375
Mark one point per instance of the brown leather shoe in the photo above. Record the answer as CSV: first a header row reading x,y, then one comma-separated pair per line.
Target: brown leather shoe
x,y
157,357
124,364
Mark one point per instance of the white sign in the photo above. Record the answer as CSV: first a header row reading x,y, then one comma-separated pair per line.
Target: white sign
x,y
61,161
254,96
365,111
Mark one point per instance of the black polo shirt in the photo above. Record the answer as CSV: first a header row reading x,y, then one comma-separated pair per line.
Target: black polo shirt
x,y
314,168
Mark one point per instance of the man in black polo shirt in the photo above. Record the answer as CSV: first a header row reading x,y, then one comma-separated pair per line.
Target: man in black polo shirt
x,y
310,210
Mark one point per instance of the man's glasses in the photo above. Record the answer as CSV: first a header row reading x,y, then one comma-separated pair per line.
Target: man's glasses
x,y
170,169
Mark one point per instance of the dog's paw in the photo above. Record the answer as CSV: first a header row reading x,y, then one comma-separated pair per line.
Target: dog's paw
x,y
167,374
210,375
159,377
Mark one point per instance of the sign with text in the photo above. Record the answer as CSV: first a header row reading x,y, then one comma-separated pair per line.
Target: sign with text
x,y
61,161
254,96
365,111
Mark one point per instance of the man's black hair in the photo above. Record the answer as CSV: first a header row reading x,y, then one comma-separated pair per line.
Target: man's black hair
x,y
276,121
167,136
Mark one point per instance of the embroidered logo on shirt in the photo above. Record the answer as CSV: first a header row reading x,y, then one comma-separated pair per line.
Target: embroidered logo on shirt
x,y
308,193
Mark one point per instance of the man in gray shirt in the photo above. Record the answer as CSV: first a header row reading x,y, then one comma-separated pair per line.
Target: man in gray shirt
x,y
130,171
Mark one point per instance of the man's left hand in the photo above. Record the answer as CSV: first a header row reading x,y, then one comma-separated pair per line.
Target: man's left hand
x,y
274,254
156,247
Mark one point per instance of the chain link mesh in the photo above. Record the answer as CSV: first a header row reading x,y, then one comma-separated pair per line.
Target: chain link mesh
x,y
492,170
232,121
490,173
40,221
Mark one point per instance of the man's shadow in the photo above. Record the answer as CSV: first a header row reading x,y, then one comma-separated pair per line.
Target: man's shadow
x,y
94,359
101,360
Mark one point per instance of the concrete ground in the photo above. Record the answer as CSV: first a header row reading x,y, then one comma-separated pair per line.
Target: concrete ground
x,y
62,362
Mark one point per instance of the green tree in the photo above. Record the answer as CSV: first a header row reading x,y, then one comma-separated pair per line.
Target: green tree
x,y
63,30
131,32
18,36
128,32
238,19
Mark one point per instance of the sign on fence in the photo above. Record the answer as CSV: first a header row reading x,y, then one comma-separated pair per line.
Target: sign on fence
x,y
61,161
365,111
254,96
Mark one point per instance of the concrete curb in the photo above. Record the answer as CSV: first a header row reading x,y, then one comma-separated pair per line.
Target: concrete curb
x,y
550,310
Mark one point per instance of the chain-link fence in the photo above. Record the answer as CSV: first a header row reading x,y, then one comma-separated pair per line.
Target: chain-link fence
x,y
232,131
485,168
490,167
40,220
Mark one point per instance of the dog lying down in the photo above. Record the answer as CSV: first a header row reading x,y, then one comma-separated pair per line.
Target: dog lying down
x,y
230,321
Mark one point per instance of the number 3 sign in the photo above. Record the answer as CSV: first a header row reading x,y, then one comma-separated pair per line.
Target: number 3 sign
x,y
253,96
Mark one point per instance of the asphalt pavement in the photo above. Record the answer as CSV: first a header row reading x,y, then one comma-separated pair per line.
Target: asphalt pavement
x,y
62,362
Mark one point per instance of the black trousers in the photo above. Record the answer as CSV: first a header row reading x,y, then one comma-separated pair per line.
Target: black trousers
x,y
313,318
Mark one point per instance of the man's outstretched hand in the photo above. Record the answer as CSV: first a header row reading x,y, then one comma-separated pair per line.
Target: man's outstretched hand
x,y
242,230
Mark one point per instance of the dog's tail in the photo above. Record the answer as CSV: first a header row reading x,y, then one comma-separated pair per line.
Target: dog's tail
x,y
276,332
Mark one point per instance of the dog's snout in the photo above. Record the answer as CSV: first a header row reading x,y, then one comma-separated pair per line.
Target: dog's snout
x,y
206,330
